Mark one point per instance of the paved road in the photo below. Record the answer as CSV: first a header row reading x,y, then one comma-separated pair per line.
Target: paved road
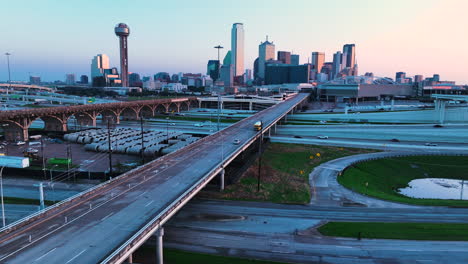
x,y
121,207
286,232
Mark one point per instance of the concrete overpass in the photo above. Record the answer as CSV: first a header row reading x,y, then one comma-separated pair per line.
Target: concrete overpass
x,y
441,100
16,86
15,123
242,102
107,223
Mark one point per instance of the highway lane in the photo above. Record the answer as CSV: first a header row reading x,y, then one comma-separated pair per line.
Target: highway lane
x,y
95,225
305,248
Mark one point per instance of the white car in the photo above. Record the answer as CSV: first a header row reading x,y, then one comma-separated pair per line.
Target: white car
x,y
236,142
198,125
172,124
19,143
431,144
322,137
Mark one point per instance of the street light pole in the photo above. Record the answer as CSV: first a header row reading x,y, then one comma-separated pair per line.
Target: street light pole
x,y
9,75
1,194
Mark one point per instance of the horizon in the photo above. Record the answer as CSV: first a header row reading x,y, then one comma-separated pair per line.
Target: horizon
x,y
390,31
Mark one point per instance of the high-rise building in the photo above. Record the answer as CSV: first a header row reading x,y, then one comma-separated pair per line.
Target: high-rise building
x,y
134,80
400,77
34,80
350,51
237,48
227,75
162,77
436,77
327,69
266,51
284,57
228,58
248,75
84,79
294,59
337,64
99,64
175,78
122,31
70,79
279,73
418,78
318,58
213,69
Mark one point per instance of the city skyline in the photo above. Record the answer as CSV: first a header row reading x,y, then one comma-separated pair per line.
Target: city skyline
x,y
401,41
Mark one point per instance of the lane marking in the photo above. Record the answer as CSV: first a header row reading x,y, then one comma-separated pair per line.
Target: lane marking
x,y
50,251
149,203
77,255
142,193
105,217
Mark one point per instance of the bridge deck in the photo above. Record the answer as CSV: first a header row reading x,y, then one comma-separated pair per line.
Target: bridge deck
x,y
89,228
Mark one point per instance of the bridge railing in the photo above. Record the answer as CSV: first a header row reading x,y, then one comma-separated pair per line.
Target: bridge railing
x,y
158,220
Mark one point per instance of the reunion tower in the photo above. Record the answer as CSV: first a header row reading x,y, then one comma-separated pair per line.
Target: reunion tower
x,y
122,31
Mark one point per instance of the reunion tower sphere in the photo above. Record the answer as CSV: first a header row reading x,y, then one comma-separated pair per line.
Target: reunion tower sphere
x,y
122,31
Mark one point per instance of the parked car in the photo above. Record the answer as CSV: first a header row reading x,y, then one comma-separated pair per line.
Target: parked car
x,y
236,142
198,124
438,125
19,143
297,136
394,140
431,144
172,124
322,121
322,137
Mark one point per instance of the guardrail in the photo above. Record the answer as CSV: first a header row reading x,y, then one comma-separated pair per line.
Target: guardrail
x,y
122,252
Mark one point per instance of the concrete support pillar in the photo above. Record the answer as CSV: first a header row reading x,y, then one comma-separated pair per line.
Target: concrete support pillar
x,y
275,127
130,259
441,111
381,103
221,180
346,110
159,246
199,104
250,106
269,132
393,103
41,195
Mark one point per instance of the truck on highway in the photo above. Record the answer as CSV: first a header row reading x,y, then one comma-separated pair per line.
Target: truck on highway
x,y
14,162
258,126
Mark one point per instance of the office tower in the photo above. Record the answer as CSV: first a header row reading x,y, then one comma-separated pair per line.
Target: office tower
x,y
337,62
418,78
134,80
212,69
84,79
227,74
436,78
122,31
318,58
327,69
248,74
278,73
237,48
175,78
284,57
294,59
266,51
227,59
99,64
35,80
70,79
400,75
350,51
162,76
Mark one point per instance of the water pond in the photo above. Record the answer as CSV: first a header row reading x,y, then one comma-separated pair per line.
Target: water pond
x,y
436,188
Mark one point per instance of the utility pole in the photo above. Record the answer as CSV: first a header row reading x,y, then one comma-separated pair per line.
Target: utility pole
x,y
9,75
43,158
68,160
219,109
260,156
142,142
109,146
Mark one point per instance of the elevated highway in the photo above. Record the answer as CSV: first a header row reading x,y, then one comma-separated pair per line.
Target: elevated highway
x,y
106,224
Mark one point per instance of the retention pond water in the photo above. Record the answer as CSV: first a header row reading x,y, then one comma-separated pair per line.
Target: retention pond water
x,y
436,188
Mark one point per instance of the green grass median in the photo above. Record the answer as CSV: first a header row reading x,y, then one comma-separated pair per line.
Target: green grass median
x,y
383,177
404,231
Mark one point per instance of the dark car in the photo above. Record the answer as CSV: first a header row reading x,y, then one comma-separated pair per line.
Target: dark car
x,y
297,137
438,125
394,140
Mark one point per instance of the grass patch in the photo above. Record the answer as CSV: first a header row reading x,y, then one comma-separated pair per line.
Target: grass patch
x,y
407,231
385,176
172,256
16,200
285,173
